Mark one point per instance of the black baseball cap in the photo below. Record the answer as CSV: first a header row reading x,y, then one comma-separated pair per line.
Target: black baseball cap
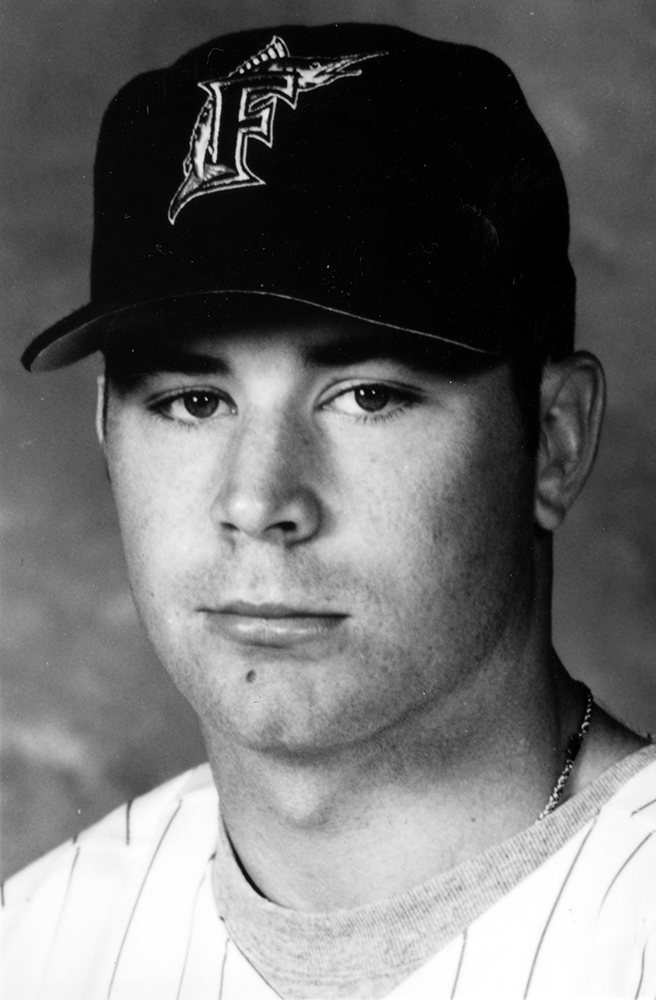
x,y
360,169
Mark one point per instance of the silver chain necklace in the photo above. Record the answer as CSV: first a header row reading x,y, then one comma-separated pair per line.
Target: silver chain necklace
x,y
571,754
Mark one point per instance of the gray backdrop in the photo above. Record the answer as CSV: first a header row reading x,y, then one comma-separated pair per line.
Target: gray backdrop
x,y
89,717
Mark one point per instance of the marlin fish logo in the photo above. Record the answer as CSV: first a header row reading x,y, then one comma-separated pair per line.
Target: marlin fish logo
x,y
242,106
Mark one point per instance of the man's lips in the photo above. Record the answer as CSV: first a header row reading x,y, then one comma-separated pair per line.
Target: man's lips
x,y
272,624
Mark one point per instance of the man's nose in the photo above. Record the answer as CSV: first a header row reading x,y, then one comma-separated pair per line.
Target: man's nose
x,y
265,487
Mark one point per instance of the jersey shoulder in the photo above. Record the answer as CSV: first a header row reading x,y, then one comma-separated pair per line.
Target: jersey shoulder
x,y
113,908
121,837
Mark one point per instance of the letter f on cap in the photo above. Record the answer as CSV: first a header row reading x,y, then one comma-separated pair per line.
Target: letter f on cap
x,y
241,106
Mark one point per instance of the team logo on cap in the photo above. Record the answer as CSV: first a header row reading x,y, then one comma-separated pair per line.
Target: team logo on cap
x,y
242,106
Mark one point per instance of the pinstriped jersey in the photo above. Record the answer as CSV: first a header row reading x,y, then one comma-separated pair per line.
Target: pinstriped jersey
x,y
137,908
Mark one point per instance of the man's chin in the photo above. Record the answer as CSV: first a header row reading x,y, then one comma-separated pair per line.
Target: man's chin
x,y
276,701
283,728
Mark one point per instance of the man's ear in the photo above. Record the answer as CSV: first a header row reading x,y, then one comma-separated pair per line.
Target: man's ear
x,y
101,410
572,399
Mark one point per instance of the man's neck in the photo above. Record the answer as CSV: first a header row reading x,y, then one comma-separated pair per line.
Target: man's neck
x,y
344,829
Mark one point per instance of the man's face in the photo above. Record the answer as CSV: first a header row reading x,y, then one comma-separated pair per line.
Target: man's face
x,y
323,542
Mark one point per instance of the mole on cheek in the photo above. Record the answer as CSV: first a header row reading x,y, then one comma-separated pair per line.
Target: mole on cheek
x,y
250,676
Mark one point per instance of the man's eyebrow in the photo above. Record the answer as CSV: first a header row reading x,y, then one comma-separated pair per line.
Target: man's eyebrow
x,y
421,355
187,362
349,351
135,367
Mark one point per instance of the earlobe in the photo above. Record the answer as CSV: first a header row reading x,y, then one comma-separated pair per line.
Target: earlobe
x,y
572,406
101,410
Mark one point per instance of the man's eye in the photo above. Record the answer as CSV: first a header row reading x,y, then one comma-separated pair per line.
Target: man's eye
x,y
370,399
194,405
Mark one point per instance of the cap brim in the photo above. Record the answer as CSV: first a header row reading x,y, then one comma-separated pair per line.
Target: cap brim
x,y
88,329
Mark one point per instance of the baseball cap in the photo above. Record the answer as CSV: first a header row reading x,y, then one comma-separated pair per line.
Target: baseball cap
x,y
361,169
